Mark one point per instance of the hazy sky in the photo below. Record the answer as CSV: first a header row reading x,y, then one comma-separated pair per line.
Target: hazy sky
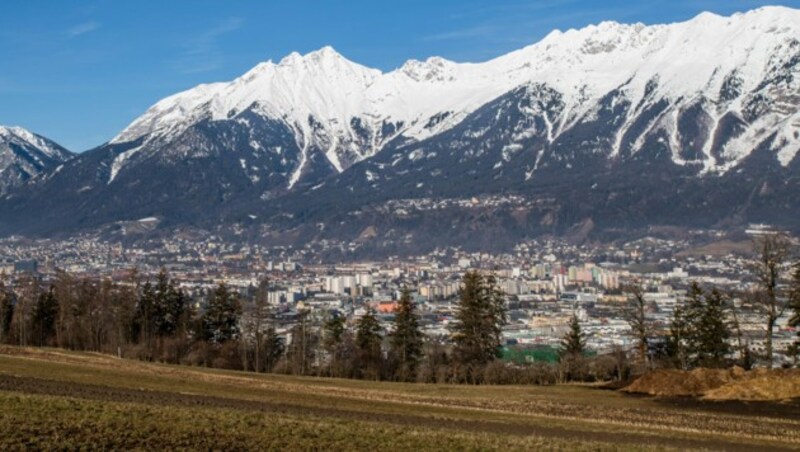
x,y
79,72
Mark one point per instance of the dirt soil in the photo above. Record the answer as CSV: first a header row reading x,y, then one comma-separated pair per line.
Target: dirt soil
x,y
720,384
105,393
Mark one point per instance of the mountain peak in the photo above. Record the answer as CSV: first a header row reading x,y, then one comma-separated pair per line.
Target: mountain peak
x,y
291,59
324,52
24,154
21,135
582,65
321,55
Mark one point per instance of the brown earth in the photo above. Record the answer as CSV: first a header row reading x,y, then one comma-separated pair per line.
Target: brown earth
x,y
582,414
720,384
110,394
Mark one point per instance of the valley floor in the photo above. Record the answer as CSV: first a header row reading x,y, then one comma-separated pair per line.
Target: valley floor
x,y
57,399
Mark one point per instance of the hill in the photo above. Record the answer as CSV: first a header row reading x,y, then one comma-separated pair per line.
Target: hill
x,y
63,399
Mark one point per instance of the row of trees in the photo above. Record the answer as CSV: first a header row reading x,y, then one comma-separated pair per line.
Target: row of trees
x,y
705,330
155,320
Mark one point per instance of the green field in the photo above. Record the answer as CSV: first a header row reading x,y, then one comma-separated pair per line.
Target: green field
x,y
57,399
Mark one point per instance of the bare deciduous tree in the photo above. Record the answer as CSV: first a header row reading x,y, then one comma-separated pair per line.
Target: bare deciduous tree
x,y
635,313
769,269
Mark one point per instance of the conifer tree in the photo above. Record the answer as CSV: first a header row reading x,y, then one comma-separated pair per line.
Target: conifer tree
x,y
573,345
701,329
44,316
406,339
333,336
678,339
368,343
169,304
712,332
273,349
574,341
334,331
478,326
221,317
7,301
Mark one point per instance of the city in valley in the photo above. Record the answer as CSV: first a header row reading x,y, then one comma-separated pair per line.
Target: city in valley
x,y
544,284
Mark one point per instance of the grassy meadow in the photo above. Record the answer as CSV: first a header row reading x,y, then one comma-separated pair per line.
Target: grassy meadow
x,y
57,399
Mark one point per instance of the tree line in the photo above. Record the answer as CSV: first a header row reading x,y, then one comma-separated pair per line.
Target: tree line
x,y
706,328
158,321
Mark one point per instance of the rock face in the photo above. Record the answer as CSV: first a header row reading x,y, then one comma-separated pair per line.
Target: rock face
x,y
25,155
606,128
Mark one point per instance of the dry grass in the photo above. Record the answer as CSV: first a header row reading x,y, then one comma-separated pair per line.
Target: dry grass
x,y
84,393
721,384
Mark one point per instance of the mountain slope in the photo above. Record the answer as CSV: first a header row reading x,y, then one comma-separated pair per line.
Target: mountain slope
x,y
24,155
612,126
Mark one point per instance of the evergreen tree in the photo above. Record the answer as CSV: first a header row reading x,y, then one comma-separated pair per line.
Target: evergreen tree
x,y
169,304
678,339
573,345
273,349
699,332
406,339
478,326
221,317
711,332
44,316
7,302
574,341
334,331
368,344
333,336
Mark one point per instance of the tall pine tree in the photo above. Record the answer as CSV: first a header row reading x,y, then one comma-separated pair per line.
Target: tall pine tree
x,y
573,346
711,332
700,332
368,343
7,303
44,316
406,339
169,304
574,341
678,338
221,317
478,327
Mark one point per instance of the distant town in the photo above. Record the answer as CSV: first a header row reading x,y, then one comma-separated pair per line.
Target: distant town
x,y
545,283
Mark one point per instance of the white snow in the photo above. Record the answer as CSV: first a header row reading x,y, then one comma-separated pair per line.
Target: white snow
x,y
303,156
119,162
24,136
686,58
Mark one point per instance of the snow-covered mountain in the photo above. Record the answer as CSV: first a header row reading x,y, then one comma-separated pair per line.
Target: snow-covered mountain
x,y
724,70
24,155
661,119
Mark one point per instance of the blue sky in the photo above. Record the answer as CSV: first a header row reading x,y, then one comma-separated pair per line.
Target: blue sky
x,y
78,72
